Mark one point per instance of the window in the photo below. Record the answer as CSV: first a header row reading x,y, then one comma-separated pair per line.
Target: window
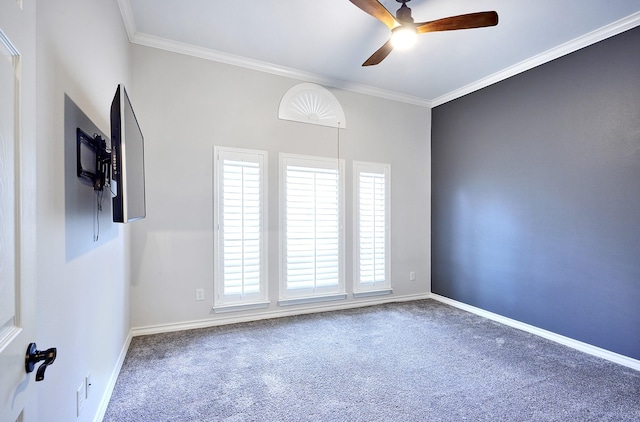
x,y
371,228
311,228
239,232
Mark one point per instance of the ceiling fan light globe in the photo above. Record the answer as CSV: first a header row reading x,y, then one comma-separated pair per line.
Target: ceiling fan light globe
x,y
404,37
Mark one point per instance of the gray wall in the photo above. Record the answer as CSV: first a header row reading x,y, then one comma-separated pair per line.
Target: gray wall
x,y
536,196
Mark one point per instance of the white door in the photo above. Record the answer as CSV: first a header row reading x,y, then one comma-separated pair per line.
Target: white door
x,y
17,207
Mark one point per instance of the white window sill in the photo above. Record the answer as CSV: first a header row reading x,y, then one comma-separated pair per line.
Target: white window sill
x,y
221,309
381,292
311,299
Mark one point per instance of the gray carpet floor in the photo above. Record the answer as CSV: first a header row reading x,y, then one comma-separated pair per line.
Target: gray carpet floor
x,y
413,361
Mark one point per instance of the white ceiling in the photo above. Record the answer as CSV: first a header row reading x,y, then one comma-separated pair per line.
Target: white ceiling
x,y
326,41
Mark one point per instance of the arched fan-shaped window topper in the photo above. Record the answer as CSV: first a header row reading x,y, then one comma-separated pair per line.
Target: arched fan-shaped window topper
x,y
311,103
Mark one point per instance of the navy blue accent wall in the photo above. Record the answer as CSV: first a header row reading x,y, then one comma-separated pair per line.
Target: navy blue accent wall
x,y
536,196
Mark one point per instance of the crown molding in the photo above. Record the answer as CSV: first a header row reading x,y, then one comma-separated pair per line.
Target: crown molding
x,y
140,38
593,37
127,18
586,40
230,59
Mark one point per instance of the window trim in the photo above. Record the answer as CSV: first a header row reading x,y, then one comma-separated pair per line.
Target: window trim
x,y
249,301
289,296
376,288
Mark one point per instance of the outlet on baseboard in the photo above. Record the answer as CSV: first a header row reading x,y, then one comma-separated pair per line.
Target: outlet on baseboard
x,y
87,384
199,294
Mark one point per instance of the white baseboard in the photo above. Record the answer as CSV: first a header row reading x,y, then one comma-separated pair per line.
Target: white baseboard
x,y
267,314
567,341
111,383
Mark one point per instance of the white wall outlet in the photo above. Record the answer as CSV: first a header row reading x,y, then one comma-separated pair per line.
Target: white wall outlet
x,y
81,397
199,294
412,276
87,384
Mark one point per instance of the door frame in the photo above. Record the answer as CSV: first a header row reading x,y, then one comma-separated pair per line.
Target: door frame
x,y
18,397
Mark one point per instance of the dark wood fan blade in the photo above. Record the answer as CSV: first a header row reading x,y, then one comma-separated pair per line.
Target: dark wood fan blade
x,y
471,20
379,55
377,10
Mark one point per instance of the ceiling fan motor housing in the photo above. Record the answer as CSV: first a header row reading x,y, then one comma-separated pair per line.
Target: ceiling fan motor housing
x,y
404,14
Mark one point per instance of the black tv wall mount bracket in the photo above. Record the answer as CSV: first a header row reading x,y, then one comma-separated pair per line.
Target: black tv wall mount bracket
x,y
93,160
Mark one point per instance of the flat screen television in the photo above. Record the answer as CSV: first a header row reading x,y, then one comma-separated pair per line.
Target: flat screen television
x,y
127,161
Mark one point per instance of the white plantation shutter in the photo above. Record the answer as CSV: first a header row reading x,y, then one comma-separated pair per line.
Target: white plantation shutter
x,y
241,227
372,226
240,233
312,215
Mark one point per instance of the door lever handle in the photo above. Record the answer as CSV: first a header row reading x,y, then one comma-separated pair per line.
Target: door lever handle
x,y
34,356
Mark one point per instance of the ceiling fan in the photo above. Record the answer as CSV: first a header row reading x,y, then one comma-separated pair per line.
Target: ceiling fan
x,y
404,30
